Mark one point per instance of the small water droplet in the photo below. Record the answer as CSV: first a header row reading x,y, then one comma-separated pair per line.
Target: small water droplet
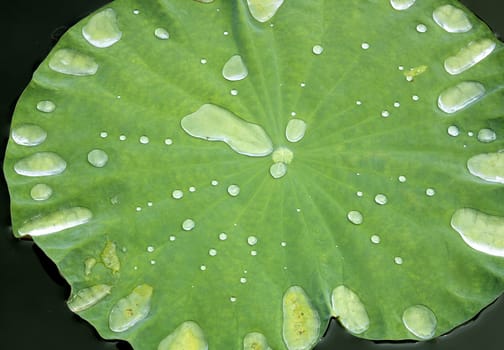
x,y
203,267
233,190
415,98
150,249
430,192
420,321
223,236
214,183
72,62
470,134
232,299
359,193
295,130
172,238
487,135
103,134
234,92
46,106
144,140
469,56
177,194
161,33
122,138
453,131
41,192
375,239
398,260
253,252
168,142
302,85
397,104
283,244
355,217
97,158
278,170
203,61
358,102
102,30
40,164
252,240
460,96
452,19
243,280
192,189
188,225
136,12
385,114
212,252
28,135
421,28
317,49
226,33
401,5
381,199
235,69
365,46
402,178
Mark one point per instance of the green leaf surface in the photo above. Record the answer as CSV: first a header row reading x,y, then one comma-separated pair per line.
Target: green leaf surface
x,y
234,173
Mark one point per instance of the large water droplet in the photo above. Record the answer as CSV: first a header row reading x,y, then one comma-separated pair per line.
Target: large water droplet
x,y
41,192
161,33
460,96
101,30
40,164
263,10
214,123
420,321
452,19
255,341
488,166
295,130
480,231
402,4
55,222
71,62
349,309
186,336
88,297
46,106
235,69
97,158
131,309
487,135
28,135
355,217
467,57
233,190
188,225
301,322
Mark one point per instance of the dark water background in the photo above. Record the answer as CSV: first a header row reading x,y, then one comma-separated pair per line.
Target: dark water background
x,y
33,313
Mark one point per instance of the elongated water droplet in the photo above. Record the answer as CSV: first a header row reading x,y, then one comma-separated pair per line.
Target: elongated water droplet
x,y
87,297
186,336
295,130
480,231
109,257
488,166
46,106
28,135
467,57
420,321
452,19
349,309
278,170
41,192
460,96
161,33
255,341
97,158
55,222
301,322
235,69
71,62
131,309
214,123
40,164
263,10
355,217
102,30
487,135
401,4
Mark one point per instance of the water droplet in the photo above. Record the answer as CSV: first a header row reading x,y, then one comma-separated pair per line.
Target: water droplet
x,y
235,69
136,12
28,135
172,238
161,33
252,240
101,30
375,239
430,192
488,166
397,104
253,252
359,193
144,140
487,135
131,309
349,309
97,158
88,297
214,123
453,131
234,92
223,236
226,33
480,231
40,164
168,142
203,267
283,244
233,299
243,280
212,252
255,341
398,260
46,106
317,49
401,5
301,322
188,335
302,85
295,130
358,103
192,189
138,208
278,170
402,178
381,199
452,19
415,98
41,192
188,225
355,217
71,62
103,134
177,194
122,138
420,321
150,249
233,190
365,46
214,183
263,10
460,96
385,114
55,222
421,28
203,61
467,57
153,262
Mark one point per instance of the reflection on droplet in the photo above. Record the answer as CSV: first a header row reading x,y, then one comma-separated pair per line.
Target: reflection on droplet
x,y
235,69
467,57
28,135
233,190
263,10
71,62
355,217
102,30
188,335
402,4
488,166
97,158
349,309
460,96
40,164
452,19
161,33
295,130
188,225
130,310
41,192
46,106
55,222
88,297
420,321
487,135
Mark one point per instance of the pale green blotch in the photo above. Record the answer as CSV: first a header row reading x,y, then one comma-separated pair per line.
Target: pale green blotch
x,y
301,322
109,257
235,69
40,164
187,336
480,231
28,135
488,166
255,341
102,30
295,130
411,73
89,264
213,123
460,96
97,158
349,309
55,222
282,154
263,10
130,310
72,62
420,321
401,5
87,297
470,55
41,192
452,19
